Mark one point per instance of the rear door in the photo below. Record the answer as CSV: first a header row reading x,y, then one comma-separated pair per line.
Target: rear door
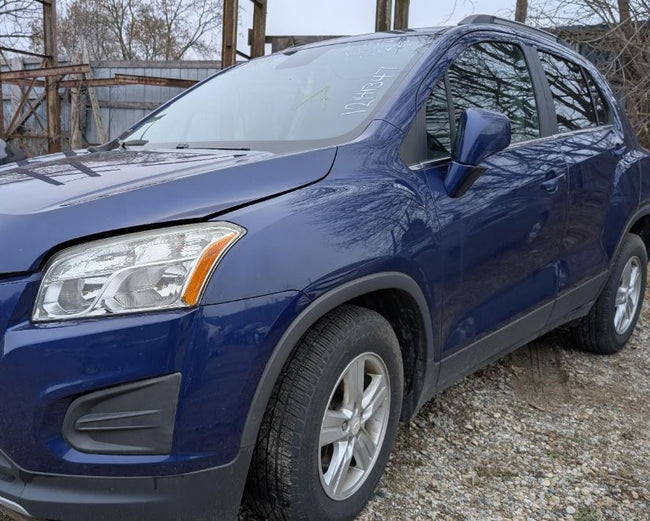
x,y
501,240
593,146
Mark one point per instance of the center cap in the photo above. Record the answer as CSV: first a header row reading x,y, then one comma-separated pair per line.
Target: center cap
x,y
355,425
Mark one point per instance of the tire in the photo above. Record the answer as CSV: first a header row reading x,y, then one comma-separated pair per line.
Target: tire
x,y
287,479
601,332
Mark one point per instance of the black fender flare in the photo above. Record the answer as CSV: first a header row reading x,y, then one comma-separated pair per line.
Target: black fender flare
x,y
308,317
641,212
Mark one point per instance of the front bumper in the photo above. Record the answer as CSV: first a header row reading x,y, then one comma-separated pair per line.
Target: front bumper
x,y
208,495
218,353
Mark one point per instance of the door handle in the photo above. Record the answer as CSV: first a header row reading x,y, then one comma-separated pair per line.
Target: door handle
x,y
552,182
619,150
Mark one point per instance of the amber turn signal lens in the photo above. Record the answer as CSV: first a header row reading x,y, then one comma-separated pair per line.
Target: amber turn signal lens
x,y
205,265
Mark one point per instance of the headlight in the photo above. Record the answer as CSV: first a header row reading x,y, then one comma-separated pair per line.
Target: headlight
x,y
149,271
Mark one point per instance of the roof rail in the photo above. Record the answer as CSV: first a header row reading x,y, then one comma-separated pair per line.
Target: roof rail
x,y
489,19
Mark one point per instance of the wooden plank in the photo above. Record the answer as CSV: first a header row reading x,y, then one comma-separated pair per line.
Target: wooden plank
x,y
402,14
25,82
76,140
128,105
92,94
44,72
521,11
258,33
2,112
153,80
384,15
52,100
229,30
119,79
18,109
20,118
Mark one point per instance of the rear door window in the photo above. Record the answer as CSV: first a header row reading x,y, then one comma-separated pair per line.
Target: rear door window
x,y
571,96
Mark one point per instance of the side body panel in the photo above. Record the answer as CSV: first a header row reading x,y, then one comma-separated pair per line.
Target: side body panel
x,y
501,243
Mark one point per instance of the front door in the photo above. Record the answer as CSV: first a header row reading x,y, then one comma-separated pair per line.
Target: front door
x,y
501,239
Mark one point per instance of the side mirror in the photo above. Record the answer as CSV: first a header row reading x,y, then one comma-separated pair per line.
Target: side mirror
x,y
481,134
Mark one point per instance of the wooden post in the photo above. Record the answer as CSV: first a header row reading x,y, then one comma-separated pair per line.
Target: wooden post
x,y
229,42
94,103
2,112
384,12
521,11
258,35
75,120
402,14
624,11
51,82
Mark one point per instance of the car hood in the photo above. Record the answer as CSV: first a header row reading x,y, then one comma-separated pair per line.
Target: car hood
x,y
52,200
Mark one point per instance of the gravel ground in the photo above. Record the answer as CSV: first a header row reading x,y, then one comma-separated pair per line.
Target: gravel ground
x,y
548,433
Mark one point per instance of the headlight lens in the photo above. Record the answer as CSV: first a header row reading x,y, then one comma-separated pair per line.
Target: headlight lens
x,y
148,271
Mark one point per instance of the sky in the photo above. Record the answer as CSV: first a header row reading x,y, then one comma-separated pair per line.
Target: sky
x,y
345,17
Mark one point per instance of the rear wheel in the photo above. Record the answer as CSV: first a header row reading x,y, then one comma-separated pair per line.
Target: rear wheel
x,y
331,422
610,323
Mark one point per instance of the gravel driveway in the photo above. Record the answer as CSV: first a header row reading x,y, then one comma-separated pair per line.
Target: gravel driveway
x,y
548,433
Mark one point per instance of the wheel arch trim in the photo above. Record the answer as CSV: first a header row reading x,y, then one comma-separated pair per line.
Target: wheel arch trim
x,y
642,211
314,312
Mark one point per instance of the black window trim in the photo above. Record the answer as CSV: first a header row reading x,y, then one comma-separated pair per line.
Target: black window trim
x,y
543,97
586,75
590,80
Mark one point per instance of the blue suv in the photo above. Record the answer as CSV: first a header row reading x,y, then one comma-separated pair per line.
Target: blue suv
x,y
255,284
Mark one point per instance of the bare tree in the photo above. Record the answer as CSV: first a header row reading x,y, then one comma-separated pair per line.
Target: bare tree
x,y
15,18
138,29
617,34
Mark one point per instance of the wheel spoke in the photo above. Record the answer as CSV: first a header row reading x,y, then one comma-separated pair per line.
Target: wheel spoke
x,y
364,450
628,296
332,429
340,465
627,274
374,397
634,280
354,384
618,318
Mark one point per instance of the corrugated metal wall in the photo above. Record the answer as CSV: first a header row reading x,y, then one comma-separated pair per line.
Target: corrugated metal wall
x,y
120,105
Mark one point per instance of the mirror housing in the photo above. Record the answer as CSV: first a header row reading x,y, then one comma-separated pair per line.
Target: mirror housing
x,y
481,134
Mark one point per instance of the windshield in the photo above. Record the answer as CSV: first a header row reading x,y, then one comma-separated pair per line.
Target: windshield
x,y
292,100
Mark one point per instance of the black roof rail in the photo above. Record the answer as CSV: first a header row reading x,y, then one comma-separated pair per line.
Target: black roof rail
x,y
490,19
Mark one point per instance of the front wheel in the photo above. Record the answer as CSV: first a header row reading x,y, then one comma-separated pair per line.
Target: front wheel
x,y
610,323
331,422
